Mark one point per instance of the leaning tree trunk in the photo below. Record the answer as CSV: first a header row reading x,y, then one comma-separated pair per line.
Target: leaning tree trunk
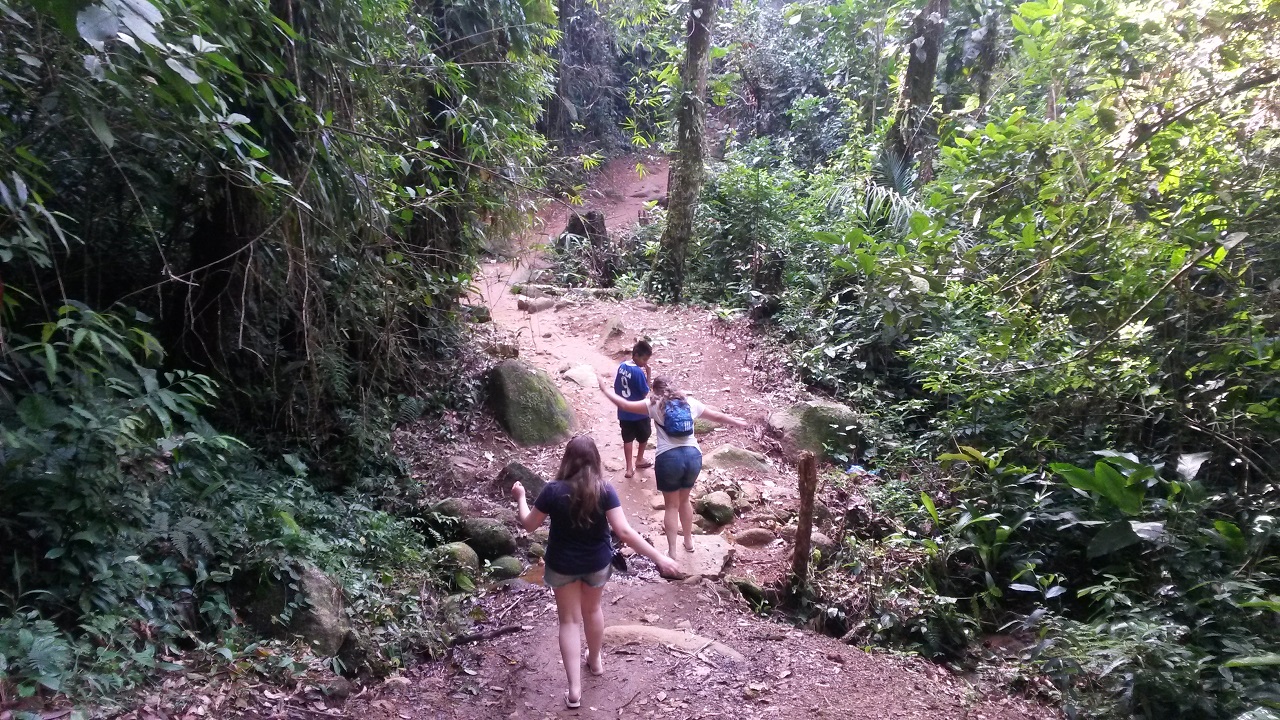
x,y
914,126
685,178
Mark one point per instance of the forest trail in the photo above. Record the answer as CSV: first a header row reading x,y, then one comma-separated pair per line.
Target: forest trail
x,y
764,667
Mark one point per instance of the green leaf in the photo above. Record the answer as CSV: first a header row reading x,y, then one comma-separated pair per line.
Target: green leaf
x,y
1254,661
1112,537
98,124
1020,25
1230,532
929,507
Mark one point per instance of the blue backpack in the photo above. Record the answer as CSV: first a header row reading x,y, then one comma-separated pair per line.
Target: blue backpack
x,y
677,419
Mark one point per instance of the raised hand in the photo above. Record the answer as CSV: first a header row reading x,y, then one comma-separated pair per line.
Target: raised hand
x,y
517,491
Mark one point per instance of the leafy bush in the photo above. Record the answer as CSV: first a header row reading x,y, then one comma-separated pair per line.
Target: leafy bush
x,y
130,520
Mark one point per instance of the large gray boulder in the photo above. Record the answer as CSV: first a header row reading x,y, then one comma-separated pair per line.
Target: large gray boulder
x,y
817,425
732,456
490,538
314,603
528,405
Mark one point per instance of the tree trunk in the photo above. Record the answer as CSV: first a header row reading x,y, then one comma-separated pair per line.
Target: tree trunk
x,y
686,168
559,106
914,126
808,470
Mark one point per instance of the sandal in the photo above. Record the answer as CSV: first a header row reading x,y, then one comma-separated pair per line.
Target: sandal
x,y
593,670
571,704
644,465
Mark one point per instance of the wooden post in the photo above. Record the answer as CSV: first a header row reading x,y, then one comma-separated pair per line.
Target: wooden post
x,y
804,524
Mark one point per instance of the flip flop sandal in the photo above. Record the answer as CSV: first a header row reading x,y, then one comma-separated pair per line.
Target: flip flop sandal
x,y
644,465
629,474
571,704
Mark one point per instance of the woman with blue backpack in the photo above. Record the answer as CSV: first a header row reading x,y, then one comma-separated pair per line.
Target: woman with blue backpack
x,y
677,460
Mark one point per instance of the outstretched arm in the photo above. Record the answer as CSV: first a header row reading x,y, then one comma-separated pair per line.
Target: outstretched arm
x,y
530,520
723,419
639,407
618,521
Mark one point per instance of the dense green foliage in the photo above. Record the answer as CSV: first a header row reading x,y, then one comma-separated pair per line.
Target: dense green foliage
x,y
1070,302
289,199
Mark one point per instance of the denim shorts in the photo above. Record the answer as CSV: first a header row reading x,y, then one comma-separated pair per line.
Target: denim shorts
x,y
595,579
677,468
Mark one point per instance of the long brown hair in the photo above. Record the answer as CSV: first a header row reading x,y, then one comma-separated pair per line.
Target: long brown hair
x,y
580,467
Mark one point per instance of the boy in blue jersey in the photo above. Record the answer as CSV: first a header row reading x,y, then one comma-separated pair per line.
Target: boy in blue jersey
x,y
632,383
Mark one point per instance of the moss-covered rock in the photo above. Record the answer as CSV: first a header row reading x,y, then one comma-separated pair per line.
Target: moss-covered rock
x,y
451,508
716,507
528,405
537,550
505,568
459,555
490,538
702,427
819,426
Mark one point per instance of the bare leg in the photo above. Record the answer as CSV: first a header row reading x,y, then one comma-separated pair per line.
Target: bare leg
x,y
569,609
626,454
593,626
640,454
671,519
686,518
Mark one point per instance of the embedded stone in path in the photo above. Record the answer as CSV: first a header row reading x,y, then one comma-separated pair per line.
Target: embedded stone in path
x,y
754,537
679,639
711,554
584,375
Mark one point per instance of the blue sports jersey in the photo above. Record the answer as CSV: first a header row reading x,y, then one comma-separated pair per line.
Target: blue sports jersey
x,y
631,384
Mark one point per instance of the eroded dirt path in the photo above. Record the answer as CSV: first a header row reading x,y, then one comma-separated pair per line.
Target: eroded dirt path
x,y
771,670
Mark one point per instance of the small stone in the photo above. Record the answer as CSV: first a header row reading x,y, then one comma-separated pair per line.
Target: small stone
x,y
490,538
685,625
505,568
754,537
503,350
461,555
515,472
451,508
339,687
822,543
658,502
651,618
716,507
537,550
535,305
584,375
835,657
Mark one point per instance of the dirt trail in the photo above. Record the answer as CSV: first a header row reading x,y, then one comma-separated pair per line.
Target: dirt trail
x,y
783,672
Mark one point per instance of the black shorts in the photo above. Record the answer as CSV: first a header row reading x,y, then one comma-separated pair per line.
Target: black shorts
x,y
636,430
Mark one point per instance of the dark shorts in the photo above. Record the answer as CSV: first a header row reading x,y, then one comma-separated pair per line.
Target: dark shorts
x,y
595,579
636,430
677,468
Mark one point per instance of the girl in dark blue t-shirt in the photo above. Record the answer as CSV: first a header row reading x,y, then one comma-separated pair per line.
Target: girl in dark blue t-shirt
x,y
582,507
